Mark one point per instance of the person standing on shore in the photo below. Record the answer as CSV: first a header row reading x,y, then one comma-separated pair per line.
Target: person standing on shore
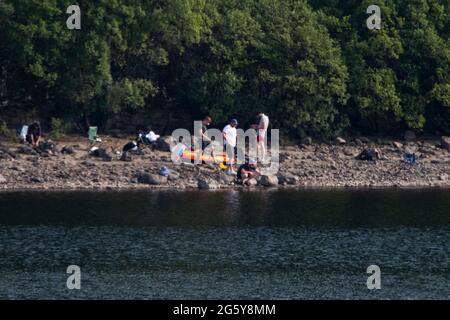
x,y
229,145
262,132
205,140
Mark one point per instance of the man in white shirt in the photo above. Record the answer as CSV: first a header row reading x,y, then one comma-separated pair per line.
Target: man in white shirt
x,y
262,132
229,145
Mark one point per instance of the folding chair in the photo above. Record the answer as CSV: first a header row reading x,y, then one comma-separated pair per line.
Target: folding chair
x,y
93,134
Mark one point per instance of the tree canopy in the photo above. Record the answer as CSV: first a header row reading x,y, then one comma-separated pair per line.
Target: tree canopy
x,y
313,66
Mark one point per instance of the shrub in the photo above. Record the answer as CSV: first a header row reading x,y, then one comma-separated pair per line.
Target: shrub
x,y
5,131
58,128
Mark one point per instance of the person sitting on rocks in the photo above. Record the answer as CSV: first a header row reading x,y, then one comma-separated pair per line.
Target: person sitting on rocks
x,y
247,171
150,138
34,134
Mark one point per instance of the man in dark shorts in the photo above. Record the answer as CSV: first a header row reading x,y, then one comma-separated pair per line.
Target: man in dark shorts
x,y
34,134
206,141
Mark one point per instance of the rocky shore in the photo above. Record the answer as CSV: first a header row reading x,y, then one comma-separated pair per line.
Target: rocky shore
x,y
66,165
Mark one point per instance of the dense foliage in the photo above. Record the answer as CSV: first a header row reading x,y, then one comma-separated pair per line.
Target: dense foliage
x,y
313,66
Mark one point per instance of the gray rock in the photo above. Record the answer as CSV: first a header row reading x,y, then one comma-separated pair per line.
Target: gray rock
x,y
397,145
2,179
165,143
5,153
126,156
268,181
67,150
173,175
306,141
104,154
252,182
37,180
340,140
149,178
138,152
27,150
287,178
349,152
226,178
206,184
409,135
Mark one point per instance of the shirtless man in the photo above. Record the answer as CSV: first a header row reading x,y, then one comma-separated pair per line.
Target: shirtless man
x,y
262,133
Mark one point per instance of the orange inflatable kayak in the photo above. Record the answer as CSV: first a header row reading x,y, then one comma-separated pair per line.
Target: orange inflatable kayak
x,y
197,155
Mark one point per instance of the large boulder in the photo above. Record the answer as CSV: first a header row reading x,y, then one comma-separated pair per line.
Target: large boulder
x,y
252,182
27,150
104,154
150,178
67,150
349,151
126,156
37,180
207,184
165,143
397,145
307,141
287,178
268,181
445,143
225,178
5,153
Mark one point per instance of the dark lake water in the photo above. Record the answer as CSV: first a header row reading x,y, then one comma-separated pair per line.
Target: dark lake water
x,y
284,244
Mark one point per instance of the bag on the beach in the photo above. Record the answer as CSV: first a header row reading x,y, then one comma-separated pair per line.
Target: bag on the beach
x,y
23,133
164,171
410,158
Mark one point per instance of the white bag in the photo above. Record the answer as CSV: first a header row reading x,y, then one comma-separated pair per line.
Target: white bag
x,y
23,133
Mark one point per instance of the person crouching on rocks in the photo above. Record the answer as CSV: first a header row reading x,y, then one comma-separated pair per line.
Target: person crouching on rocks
x,y
247,171
34,134
149,138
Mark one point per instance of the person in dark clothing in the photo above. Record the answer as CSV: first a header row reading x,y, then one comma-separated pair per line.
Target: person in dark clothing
x,y
148,138
130,146
34,134
205,140
247,171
